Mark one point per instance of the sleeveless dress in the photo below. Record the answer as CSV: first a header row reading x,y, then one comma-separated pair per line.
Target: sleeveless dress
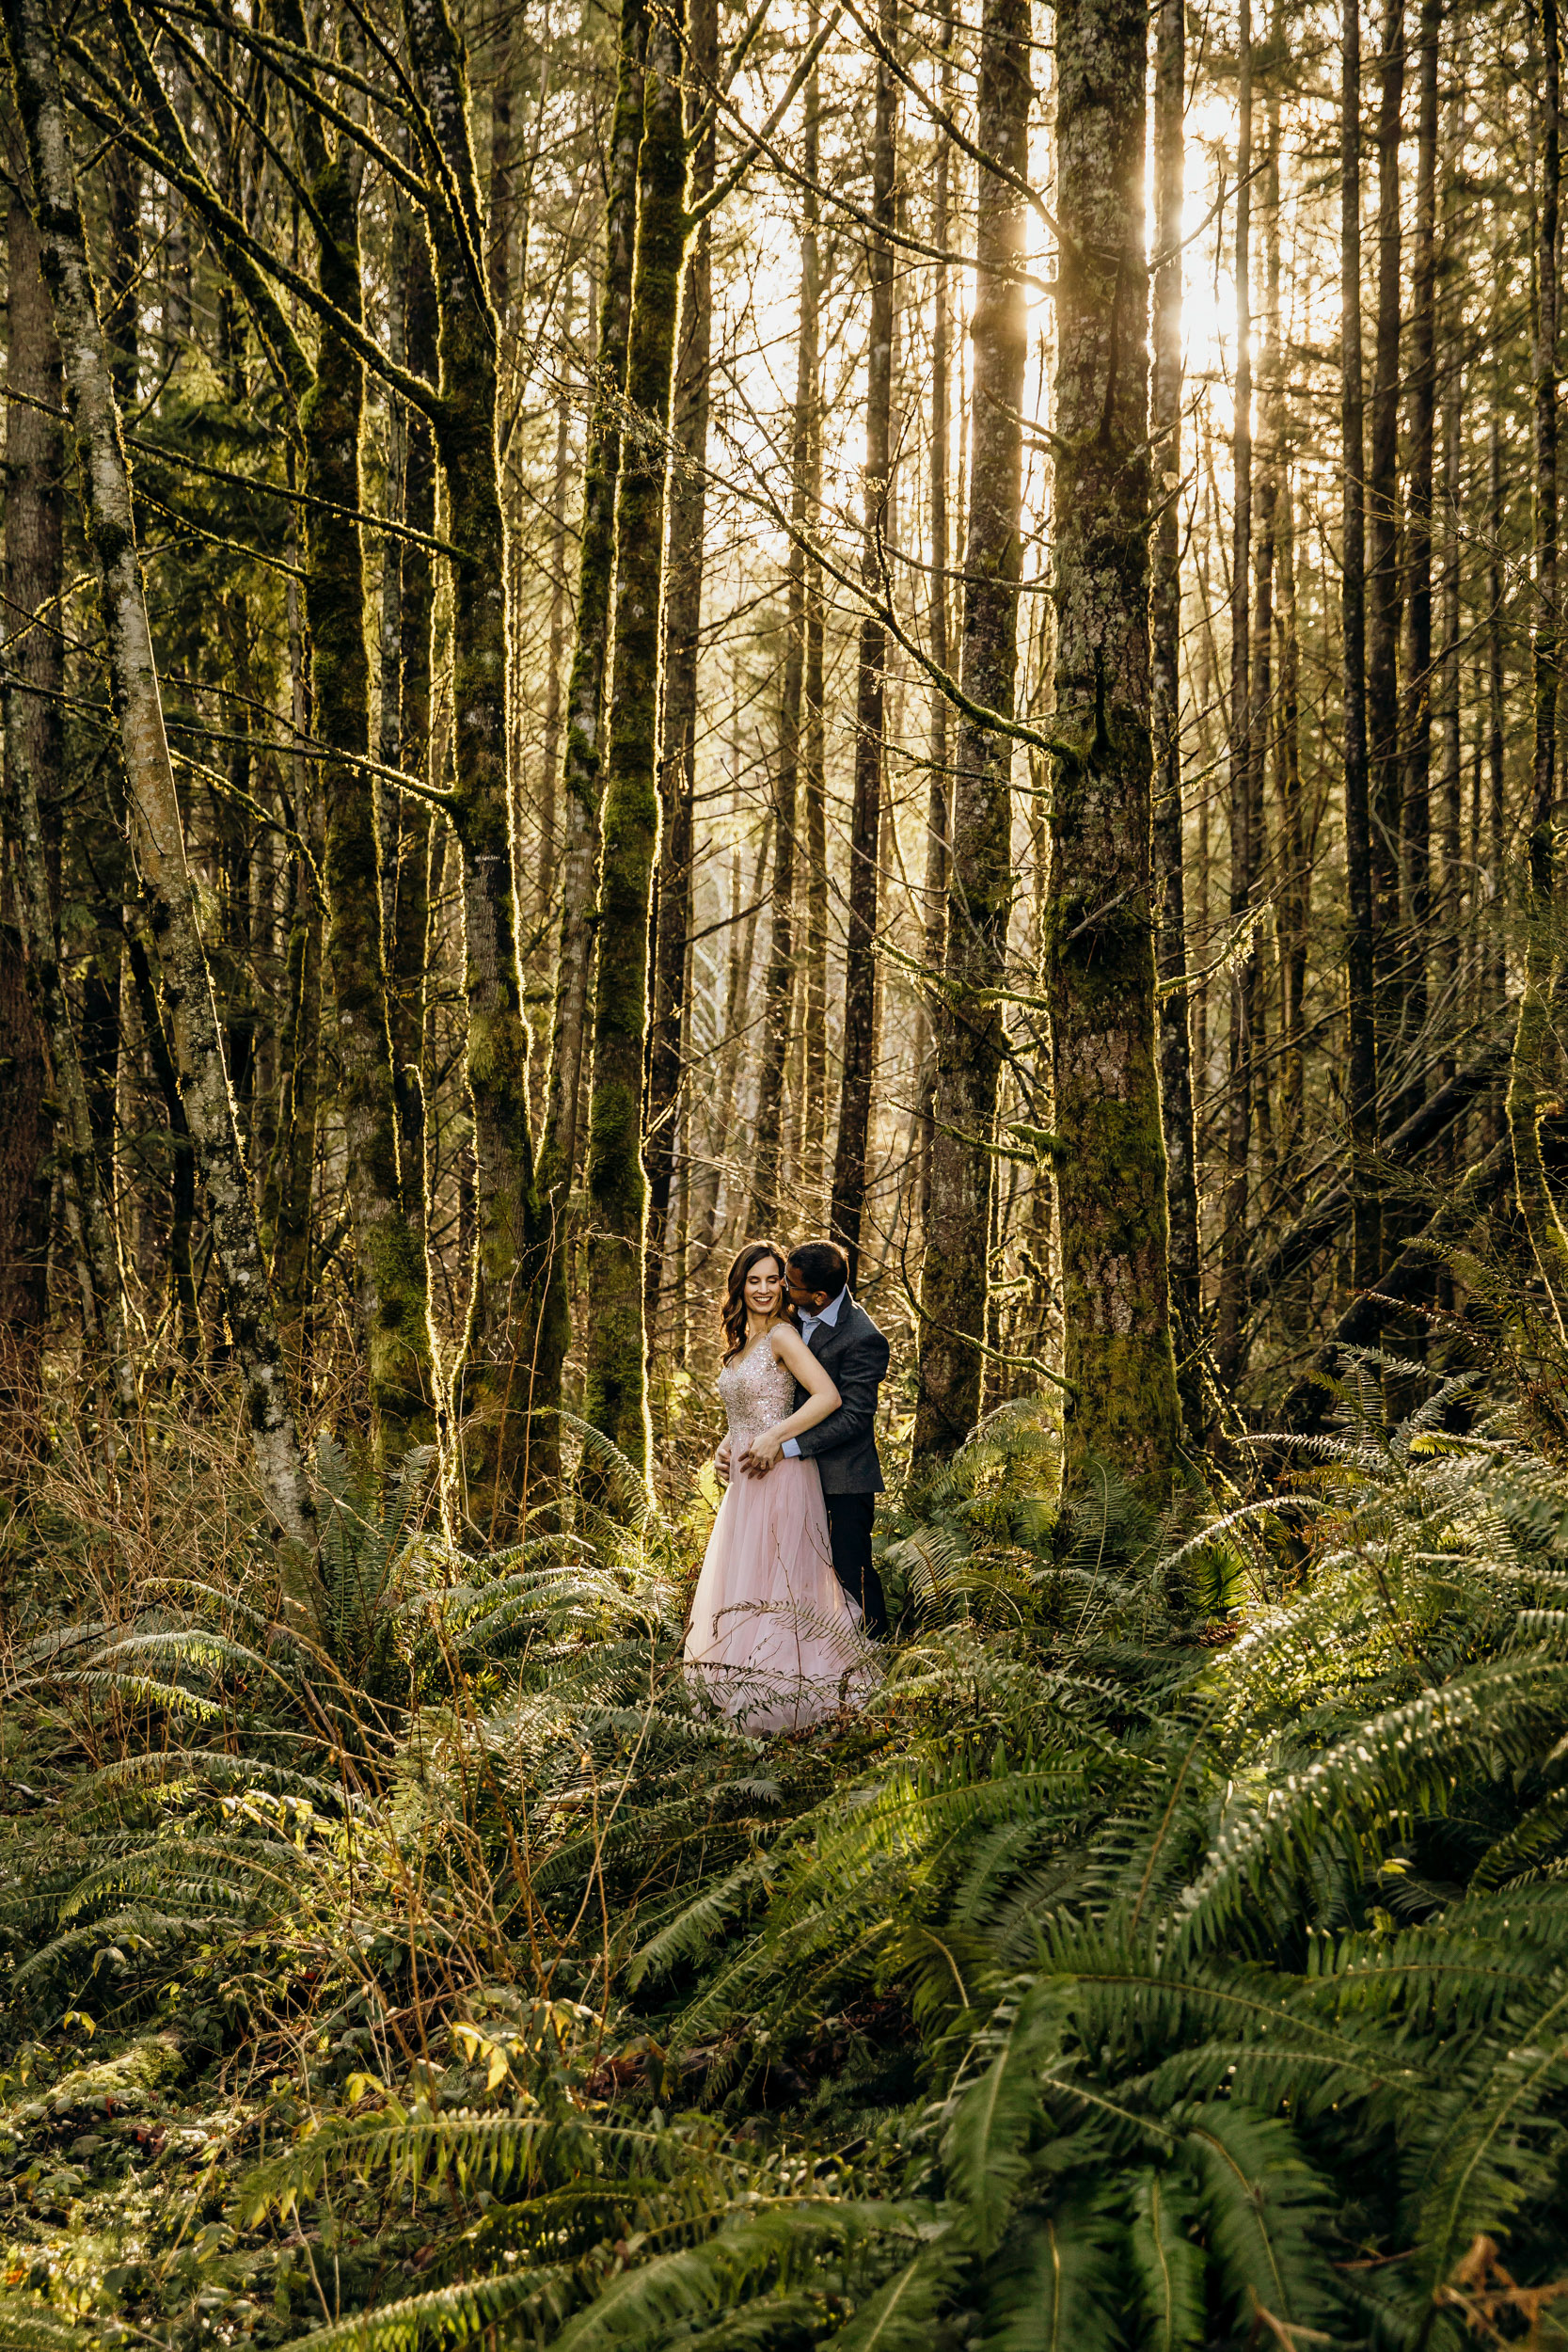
x,y
773,1635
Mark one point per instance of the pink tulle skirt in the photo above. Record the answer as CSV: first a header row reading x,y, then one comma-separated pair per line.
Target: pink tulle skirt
x,y
774,1637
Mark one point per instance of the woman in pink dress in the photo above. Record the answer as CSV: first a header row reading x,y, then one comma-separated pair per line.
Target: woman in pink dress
x,y
772,1633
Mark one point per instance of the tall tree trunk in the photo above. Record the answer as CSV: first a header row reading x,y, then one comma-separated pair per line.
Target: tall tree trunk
x,y
389,1252
859,952
1361,900
408,918
1382,565
1496,827
581,779
1260,719
813,780
1100,916
814,788
34,653
89,1216
1455,881
24,1185
157,837
779,980
1176,1065
1415,813
512,1440
286,1192
937,819
616,1401
551,757
677,771
182,1283
1539,1211
1295,889
954,1278
1243,848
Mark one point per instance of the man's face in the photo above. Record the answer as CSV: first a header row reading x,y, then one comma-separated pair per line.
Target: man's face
x,y
804,1302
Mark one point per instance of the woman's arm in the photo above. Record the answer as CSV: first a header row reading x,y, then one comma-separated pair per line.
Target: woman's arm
x,y
822,1398
862,1369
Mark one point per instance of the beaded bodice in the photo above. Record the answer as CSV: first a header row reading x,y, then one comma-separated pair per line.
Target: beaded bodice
x,y
757,1392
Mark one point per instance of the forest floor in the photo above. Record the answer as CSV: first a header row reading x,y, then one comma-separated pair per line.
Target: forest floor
x,y
1173,1952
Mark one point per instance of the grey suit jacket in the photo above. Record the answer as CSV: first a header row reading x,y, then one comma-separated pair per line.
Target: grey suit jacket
x,y
844,1447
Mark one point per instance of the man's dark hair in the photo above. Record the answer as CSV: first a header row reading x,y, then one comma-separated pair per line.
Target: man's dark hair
x,y
821,1266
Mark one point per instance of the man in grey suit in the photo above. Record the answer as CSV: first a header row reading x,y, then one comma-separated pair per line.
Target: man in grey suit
x,y
848,1346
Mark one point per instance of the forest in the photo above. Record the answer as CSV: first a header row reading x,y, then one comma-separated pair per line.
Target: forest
x,y
629,625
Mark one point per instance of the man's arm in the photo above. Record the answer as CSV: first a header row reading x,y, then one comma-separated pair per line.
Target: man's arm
x,y
859,1372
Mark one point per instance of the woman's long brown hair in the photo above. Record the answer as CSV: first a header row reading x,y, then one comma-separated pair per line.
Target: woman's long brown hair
x,y
734,1311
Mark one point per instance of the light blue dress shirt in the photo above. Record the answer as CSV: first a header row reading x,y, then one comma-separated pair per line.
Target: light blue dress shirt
x,y
808,1325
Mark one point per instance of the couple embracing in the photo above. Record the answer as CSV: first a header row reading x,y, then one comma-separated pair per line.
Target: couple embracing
x,y
788,1592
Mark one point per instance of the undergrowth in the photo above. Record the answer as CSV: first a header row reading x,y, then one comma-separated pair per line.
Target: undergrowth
x,y
1172,1952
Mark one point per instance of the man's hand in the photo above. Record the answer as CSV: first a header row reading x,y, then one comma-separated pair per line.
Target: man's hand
x,y
721,1462
761,1454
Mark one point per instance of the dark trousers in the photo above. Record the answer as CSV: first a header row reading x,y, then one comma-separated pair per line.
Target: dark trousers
x,y
849,1519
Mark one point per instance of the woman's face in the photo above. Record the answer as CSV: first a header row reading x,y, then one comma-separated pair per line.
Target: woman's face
x,y
763,1287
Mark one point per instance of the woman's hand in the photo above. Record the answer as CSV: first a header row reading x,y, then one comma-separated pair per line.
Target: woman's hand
x,y
761,1454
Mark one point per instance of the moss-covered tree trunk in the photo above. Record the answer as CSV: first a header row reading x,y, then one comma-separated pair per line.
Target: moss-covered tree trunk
x,y
778,996
934,881
1232,1303
848,1209
510,1439
286,1192
389,1249
581,782
1537,1209
1100,916
157,834
35,659
1415,797
617,1394
89,1220
1175,1057
814,795
969,1009
677,762
407,918
1385,585
1360,910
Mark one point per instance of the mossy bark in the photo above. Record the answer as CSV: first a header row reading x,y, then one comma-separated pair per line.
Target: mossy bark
x,y
511,1439
389,1249
1538,1210
87,1213
1385,578
1244,849
847,1207
1175,1057
938,817
157,837
582,779
617,1392
1360,909
410,916
183,1282
968,1019
34,748
677,765
286,1221
1099,917
778,996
